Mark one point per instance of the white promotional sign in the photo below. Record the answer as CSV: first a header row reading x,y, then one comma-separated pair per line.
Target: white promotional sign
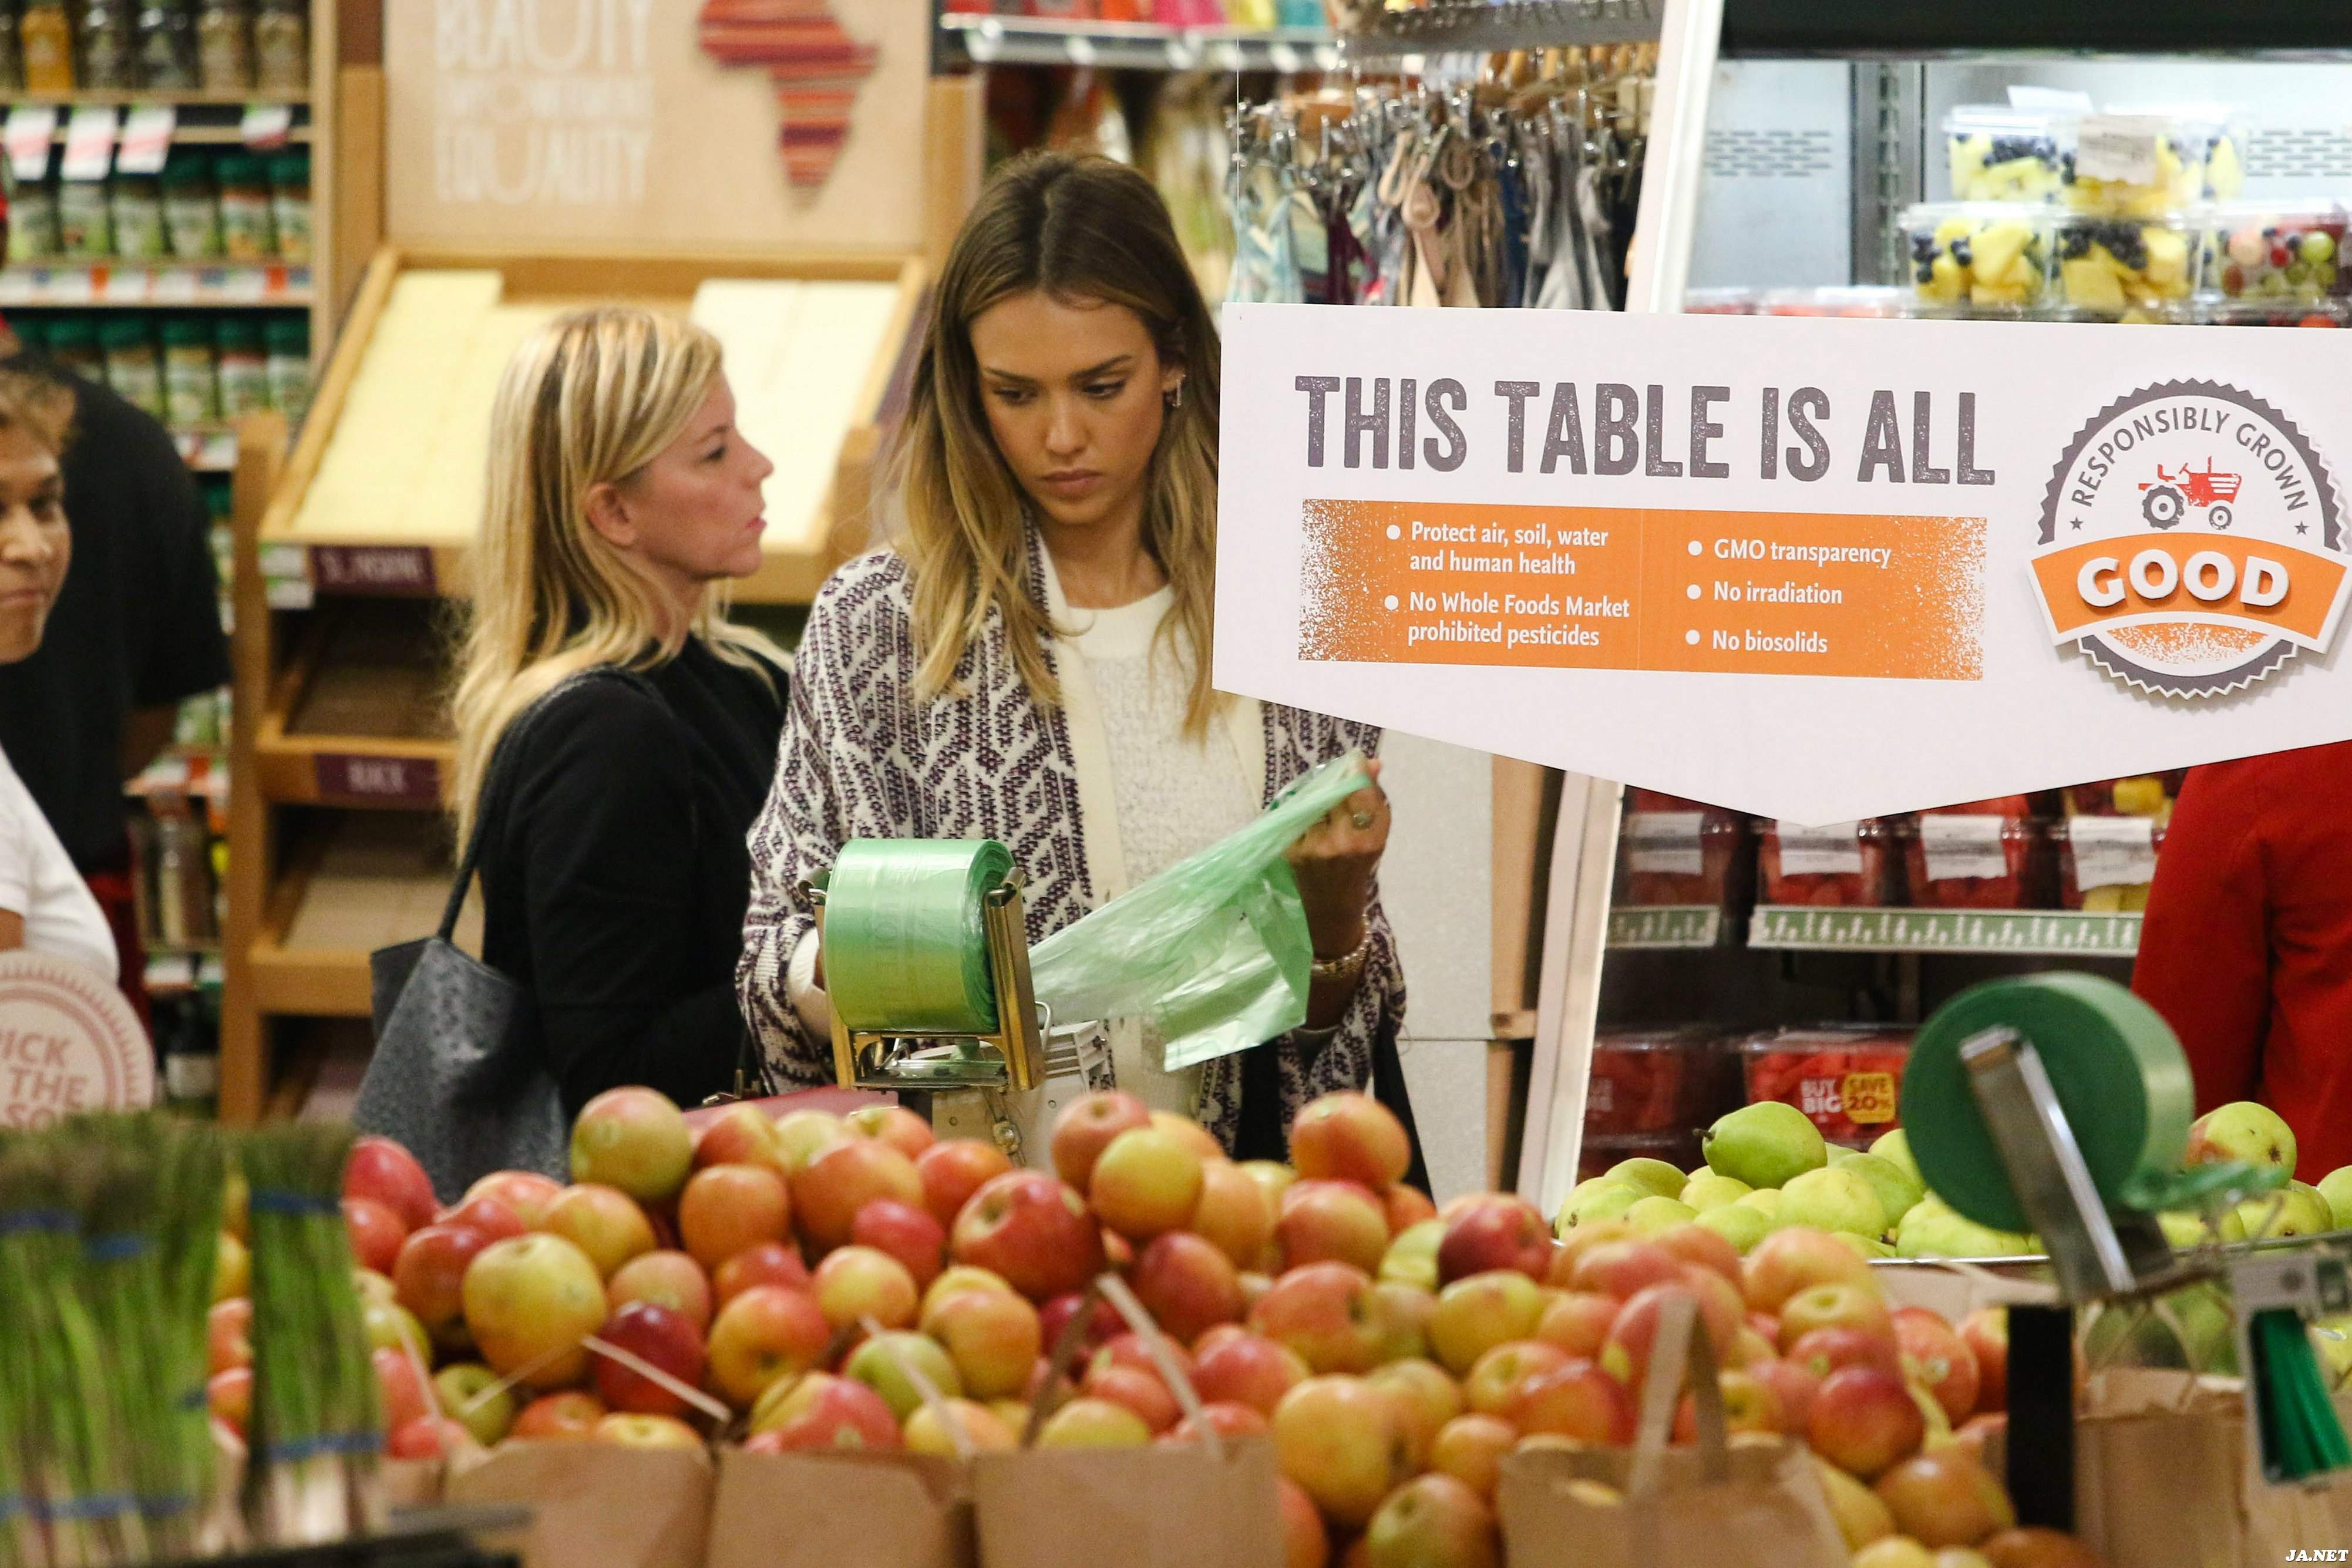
x,y
68,1043
1816,569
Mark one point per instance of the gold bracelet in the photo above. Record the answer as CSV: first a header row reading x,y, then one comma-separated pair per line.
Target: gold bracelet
x,y
1348,966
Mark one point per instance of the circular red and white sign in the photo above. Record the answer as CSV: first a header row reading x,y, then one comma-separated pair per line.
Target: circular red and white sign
x,y
68,1042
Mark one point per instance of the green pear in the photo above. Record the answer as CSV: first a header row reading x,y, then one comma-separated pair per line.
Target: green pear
x,y
1765,1201
2241,1129
1897,1188
1654,1177
1833,1199
1706,1190
2332,1338
2337,1188
2206,1321
1651,1216
1868,1245
1765,1145
1596,1200
2186,1228
2298,1210
1737,1224
1896,1148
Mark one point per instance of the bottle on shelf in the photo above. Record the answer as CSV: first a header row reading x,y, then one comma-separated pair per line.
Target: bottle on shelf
x,y
224,46
290,204
110,54
289,340
133,369
281,46
190,1053
11,51
192,219
249,232
190,382
45,36
243,369
137,203
167,47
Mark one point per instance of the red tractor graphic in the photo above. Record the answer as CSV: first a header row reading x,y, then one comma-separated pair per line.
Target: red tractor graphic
x,y
2169,499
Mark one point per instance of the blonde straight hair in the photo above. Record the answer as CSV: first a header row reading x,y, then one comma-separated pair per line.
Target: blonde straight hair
x,y
1083,229
588,399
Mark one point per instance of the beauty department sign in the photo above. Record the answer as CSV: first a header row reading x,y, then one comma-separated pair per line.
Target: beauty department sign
x,y
1812,568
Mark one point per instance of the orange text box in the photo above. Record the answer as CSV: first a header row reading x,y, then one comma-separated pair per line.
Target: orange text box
x,y
1602,588
2074,579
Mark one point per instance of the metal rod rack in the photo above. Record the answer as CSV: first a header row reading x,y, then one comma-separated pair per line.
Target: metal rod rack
x,y
1472,25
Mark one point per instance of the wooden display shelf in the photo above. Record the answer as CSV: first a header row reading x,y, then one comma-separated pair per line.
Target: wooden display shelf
x,y
369,882
135,96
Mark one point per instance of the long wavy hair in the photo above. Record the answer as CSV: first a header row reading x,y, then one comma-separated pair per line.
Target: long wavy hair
x,y
591,398
1080,229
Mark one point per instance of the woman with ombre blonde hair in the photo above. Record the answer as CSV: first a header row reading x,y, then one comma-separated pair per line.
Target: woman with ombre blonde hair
x,y
1030,661
616,734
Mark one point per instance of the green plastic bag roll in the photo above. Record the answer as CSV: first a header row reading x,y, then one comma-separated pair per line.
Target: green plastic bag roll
x,y
904,945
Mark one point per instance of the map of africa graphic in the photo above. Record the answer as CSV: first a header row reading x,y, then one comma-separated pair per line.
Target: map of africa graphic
x,y
815,65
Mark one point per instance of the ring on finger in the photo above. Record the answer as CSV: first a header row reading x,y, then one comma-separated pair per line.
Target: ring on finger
x,y
1362,819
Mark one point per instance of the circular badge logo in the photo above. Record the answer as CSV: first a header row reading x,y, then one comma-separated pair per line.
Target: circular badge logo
x,y
68,1042
2191,541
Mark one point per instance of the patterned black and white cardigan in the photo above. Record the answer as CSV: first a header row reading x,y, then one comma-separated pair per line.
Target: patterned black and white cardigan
x,y
861,759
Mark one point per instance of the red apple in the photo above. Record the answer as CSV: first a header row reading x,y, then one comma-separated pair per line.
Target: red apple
x,y
1410,1310
1578,1401
1086,1128
2034,1547
1248,1369
635,1139
1349,1137
1985,1333
728,1209
405,1396
765,1333
1234,1215
430,1276
1146,1182
1824,1350
1794,1387
1327,1314
381,1170
464,1394
529,1301
603,1222
1407,1207
803,1135
1835,1307
1190,1133
1494,1384
770,1263
527,1193
1103,1322
908,1233
492,1217
431,1437
1470,1448
1231,1422
1977,1432
952,1170
669,1279
228,1334
1187,1285
567,1416
1128,1349
1788,1261
1425,1400
1583,1238
858,1283
1942,1358
895,1125
1497,1230
1342,1439
740,1135
661,1339
1625,1268
1305,1543
1142,1392
229,1396
1945,1499
844,1177
1030,1228
1332,1222
1577,1322
1626,1356
647,1432
1749,1404
1696,1244
1865,1421
822,1411
375,1233
992,1336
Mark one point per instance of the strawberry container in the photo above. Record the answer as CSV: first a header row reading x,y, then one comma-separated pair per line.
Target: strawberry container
x,y
1683,853
1849,864
1970,861
2105,863
1846,1079
1650,1081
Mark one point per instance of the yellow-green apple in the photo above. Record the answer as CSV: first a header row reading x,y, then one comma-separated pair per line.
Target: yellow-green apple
x,y
1985,1333
1824,1350
1432,1522
1696,1244
1865,1421
666,1278
742,1134
527,1193
228,1335
1349,1137
842,1178
1233,1215
1493,1386
405,1394
602,1222
895,1125
1327,1314
383,1172
1190,1133
1245,1368
1835,1307
647,1432
1470,1448
232,1268
1751,1349
2243,1130
1748,1406
1941,1359
1861,1517
983,1430
568,1416
1409,1309
1622,1268
952,1170
1148,1181
492,1216
529,1301
375,1233
858,1283
1031,1230
1086,1128
1579,1401
962,1277
1332,1222
822,1411
992,1335
390,1323
2031,1546
1305,1543
1474,1315
1187,1284
1496,1230
1144,1392
371,1286
1978,1431
888,1363
1945,1499
906,1232
635,1139
1087,1423
803,1135
664,1340
469,1393
766,1333
770,1263
1340,1439
430,1276
727,1208
1273,1178
1426,1399
1788,1261
1577,1322
1411,1256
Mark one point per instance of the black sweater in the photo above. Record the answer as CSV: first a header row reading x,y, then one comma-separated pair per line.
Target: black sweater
x,y
614,875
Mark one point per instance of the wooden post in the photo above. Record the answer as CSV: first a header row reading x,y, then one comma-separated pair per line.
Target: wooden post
x,y
243,1042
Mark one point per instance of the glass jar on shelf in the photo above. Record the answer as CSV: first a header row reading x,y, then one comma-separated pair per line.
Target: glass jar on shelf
x,y
281,46
33,221
248,232
137,201
288,342
44,35
191,205
244,371
133,372
191,386
109,52
12,52
167,47
224,46
290,204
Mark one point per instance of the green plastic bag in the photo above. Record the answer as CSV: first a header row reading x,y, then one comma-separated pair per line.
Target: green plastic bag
x,y
1214,950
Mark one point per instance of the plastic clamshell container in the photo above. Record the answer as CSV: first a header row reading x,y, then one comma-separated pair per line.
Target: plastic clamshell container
x,y
1855,301
2142,794
1647,1082
1848,865
2116,855
2112,266
1847,1080
1698,855
2002,155
1979,253
2279,253
2146,161
1599,1155
1970,861
2262,312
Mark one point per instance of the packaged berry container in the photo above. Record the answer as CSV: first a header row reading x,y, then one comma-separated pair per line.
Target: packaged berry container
x,y
2144,163
2143,795
1601,1155
1844,864
1719,302
1854,301
1980,254
1679,852
1847,1078
1648,1081
1958,860
2257,312
2002,155
2112,266
2274,253
2106,863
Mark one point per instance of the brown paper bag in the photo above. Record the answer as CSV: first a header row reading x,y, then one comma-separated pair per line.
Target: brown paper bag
x,y
596,1505
1209,1504
1758,1504
824,1509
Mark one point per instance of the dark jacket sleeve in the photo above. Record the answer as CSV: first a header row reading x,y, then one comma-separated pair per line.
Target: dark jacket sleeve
x,y
606,831
185,650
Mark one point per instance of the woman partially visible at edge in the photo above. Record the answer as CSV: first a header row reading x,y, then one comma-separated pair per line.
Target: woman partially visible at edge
x,y
1030,662
614,873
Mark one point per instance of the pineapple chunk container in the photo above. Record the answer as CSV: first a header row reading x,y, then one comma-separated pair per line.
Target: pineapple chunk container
x,y
2002,155
1982,254
2128,268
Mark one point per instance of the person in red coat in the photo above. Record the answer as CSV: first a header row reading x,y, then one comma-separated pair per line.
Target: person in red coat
x,y
2247,946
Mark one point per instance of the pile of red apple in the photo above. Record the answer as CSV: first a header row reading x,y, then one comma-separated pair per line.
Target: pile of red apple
x,y
798,1272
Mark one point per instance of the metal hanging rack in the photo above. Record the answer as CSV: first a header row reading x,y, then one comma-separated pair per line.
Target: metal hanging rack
x,y
1465,26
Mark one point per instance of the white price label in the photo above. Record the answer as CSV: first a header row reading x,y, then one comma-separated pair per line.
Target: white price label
x,y
65,285
267,125
125,285
1284,58
90,142
1963,847
16,287
174,286
31,128
246,283
146,138
2121,147
2113,851
1665,841
1832,849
